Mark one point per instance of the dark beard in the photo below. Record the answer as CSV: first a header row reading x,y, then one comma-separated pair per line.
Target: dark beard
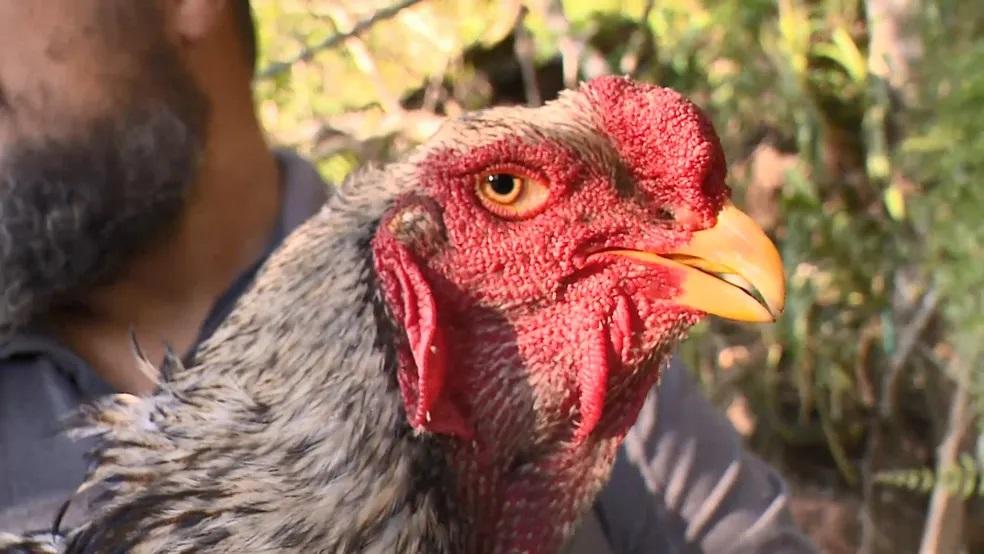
x,y
72,210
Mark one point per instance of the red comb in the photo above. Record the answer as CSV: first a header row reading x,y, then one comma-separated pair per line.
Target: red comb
x,y
667,143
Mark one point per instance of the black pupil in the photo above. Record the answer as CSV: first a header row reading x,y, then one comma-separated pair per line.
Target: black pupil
x,y
502,183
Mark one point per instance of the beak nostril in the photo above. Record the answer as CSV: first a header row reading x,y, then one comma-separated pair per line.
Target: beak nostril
x,y
664,214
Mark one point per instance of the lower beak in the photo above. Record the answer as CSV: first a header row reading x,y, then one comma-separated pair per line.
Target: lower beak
x,y
724,268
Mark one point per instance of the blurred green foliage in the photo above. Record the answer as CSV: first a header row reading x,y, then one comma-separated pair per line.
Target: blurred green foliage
x,y
869,176
946,154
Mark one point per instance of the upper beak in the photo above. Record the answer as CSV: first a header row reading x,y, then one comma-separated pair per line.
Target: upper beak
x,y
718,265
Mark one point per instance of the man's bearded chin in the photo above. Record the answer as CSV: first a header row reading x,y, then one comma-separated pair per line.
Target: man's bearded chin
x,y
72,210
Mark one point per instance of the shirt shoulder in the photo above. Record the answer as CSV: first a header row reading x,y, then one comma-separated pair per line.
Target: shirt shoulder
x,y
683,482
40,467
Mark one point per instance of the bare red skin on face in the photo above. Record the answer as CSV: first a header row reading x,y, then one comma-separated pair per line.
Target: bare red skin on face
x,y
549,354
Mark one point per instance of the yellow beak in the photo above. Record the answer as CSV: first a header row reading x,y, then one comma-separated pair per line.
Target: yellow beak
x,y
720,263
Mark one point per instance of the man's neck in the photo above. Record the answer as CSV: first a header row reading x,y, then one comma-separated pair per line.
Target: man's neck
x,y
166,291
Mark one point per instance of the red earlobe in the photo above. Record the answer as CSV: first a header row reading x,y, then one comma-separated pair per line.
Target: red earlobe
x,y
423,362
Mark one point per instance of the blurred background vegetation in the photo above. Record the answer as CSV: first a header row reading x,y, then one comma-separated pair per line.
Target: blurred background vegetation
x,y
855,135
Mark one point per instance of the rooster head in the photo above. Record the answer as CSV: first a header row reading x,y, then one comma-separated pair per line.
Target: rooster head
x,y
542,264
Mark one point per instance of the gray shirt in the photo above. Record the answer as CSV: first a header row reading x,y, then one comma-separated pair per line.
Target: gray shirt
x,y
681,483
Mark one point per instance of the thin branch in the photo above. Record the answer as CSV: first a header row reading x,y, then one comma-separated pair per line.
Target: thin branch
x,y
872,538
944,522
907,342
629,64
894,44
366,63
524,48
570,48
276,68
434,92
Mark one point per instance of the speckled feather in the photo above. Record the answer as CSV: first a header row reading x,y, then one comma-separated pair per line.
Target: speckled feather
x,y
296,431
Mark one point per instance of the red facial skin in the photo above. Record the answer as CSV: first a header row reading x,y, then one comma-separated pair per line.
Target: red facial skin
x,y
535,359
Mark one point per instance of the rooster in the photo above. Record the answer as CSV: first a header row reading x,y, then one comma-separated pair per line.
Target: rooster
x,y
446,358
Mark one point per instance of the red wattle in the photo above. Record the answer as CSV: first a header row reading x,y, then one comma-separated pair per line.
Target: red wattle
x,y
593,382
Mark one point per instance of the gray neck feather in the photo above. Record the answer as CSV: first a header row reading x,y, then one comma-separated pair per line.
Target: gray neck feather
x,y
288,433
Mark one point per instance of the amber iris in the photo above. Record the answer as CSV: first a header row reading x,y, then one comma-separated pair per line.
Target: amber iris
x,y
510,195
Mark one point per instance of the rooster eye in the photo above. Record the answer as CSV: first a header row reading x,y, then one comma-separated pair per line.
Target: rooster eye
x,y
511,196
